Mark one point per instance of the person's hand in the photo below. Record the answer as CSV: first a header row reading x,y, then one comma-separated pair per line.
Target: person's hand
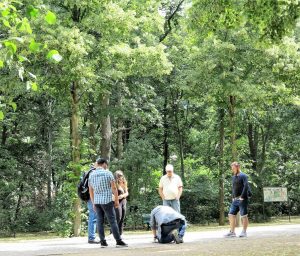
x,y
94,207
241,199
116,204
121,196
177,198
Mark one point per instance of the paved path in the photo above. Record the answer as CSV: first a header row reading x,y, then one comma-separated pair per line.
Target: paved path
x,y
141,244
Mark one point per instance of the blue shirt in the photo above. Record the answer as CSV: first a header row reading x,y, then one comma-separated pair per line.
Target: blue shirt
x,y
240,186
100,180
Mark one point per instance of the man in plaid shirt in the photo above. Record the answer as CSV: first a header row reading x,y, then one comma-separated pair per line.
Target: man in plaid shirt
x,y
102,186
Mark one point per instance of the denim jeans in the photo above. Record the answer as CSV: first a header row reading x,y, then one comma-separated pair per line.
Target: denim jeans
x,y
166,230
108,211
92,221
175,204
239,205
120,215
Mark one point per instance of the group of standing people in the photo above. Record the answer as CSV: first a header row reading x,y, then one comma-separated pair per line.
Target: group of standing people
x,y
108,195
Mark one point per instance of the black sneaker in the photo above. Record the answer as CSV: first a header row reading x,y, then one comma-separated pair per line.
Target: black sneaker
x,y
94,242
121,244
103,244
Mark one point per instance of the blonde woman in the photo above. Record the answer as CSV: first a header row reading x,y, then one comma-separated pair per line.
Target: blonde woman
x,y
121,183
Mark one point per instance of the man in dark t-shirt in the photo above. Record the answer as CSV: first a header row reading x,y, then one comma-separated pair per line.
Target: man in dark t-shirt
x,y
240,194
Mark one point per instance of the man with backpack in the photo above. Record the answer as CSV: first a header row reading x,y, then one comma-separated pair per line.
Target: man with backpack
x,y
83,193
102,185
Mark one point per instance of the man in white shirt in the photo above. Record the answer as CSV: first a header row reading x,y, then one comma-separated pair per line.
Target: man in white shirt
x,y
170,188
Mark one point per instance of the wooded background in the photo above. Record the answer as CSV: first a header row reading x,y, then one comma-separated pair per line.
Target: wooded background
x,y
140,82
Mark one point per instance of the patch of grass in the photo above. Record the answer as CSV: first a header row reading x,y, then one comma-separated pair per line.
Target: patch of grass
x,y
30,236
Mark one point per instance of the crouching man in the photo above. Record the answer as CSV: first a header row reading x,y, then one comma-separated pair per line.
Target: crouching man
x,y
167,225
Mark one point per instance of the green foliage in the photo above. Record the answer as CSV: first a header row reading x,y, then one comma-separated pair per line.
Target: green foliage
x,y
165,98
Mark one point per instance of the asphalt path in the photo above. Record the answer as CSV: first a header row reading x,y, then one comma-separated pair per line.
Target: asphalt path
x,y
195,243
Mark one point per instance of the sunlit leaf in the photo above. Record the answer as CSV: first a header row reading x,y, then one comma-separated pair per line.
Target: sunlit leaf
x,y
13,105
34,46
11,46
54,54
34,86
50,18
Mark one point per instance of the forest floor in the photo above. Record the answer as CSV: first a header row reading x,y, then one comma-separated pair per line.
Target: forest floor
x,y
262,240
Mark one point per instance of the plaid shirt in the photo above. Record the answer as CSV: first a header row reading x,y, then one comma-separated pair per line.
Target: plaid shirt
x,y
100,181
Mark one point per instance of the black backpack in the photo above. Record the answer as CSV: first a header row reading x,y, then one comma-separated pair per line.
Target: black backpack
x,y
83,186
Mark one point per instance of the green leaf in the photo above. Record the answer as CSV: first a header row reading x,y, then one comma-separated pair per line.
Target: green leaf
x,y
1,64
50,18
22,58
5,12
32,12
6,23
13,105
34,86
54,54
34,47
11,46
1,115
24,26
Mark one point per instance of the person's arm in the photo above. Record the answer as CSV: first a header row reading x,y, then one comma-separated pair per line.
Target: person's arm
x,y
245,187
126,194
160,190
91,190
180,188
153,225
115,193
179,192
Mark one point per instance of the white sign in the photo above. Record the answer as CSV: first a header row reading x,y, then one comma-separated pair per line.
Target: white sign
x,y
273,194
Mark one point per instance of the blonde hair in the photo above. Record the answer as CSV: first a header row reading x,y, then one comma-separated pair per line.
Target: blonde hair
x,y
118,174
235,164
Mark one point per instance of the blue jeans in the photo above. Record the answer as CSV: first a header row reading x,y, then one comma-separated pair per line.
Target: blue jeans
x,y
108,211
92,220
175,204
239,205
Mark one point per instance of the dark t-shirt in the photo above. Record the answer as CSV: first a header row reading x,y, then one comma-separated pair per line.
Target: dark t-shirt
x,y
240,186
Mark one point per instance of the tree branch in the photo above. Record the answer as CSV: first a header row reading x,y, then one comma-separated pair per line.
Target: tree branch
x,y
168,22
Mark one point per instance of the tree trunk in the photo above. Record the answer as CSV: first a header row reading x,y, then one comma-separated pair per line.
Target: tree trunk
x,y
232,124
50,151
75,153
120,146
221,167
253,144
166,134
234,154
180,138
18,208
92,129
4,134
106,134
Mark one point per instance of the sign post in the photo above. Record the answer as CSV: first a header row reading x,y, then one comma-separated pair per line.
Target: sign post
x,y
275,194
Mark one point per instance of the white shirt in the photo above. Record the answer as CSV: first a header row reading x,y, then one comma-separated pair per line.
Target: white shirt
x,y
170,186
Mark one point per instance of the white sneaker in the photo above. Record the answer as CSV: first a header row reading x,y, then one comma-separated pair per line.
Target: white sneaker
x,y
230,234
243,234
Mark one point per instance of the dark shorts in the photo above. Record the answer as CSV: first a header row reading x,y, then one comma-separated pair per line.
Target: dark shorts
x,y
239,206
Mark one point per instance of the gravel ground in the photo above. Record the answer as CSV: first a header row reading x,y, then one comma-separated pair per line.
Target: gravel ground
x,y
262,240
